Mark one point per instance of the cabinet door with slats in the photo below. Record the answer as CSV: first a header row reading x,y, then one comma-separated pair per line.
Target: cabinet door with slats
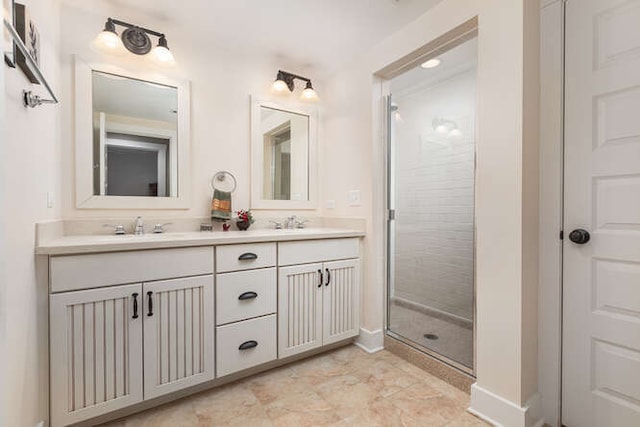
x,y
341,300
299,309
178,334
96,352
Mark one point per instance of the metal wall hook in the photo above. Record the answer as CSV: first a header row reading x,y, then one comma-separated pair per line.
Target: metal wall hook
x,y
32,100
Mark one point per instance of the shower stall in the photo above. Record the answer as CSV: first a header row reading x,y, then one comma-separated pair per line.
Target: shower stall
x,y
431,180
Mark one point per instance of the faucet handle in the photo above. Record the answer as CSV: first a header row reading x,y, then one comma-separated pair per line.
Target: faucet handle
x,y
159,228
301,222
276,224
118,229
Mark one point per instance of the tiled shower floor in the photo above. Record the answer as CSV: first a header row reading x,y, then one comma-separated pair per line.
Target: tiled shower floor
x,y
454,341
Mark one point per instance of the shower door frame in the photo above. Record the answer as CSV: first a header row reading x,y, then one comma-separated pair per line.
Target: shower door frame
x,y
390,214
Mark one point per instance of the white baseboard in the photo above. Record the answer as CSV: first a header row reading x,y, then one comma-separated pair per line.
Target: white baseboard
x,y
502,412
370,341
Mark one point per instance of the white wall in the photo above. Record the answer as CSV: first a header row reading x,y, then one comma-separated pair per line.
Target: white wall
x,y
4,360
434,185
30,168
221,82
506,183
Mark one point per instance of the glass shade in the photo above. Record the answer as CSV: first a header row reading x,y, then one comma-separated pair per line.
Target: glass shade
x,y
279,86
162,55
309,94
108,42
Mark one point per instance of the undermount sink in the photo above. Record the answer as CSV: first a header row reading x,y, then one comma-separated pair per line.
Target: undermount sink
x,y
298,230
157,236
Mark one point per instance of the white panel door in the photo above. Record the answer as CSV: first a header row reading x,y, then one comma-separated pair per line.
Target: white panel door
x,y
601,337
178,334
96,352
299,308
340,300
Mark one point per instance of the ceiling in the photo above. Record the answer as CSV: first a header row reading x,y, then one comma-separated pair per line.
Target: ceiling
x,y
312,34
460,59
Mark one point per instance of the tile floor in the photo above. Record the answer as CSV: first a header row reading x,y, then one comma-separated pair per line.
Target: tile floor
x,y
345,387
454,341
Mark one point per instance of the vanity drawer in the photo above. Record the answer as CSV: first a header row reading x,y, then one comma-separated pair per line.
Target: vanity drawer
x,y
74,272
256,336
245,294
308,251
245,256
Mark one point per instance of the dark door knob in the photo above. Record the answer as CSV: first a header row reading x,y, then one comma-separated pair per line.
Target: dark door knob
x,y
579,236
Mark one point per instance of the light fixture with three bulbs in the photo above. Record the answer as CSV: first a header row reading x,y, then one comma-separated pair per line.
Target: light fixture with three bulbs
x,y
135,39
285,80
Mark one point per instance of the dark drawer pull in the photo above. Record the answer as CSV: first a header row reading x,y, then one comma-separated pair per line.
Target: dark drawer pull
x,y
150,300
248,295
248,344
328,277
135,305
247,256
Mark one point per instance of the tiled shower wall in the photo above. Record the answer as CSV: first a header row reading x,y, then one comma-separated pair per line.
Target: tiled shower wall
x,y
434,196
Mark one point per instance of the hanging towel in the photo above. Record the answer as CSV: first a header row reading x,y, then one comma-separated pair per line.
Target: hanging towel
x,y
221,205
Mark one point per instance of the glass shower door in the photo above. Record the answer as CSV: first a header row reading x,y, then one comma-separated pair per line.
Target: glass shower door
x,y
431,172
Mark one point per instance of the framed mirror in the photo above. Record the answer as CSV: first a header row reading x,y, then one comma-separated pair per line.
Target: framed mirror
x,y
132,140
283,153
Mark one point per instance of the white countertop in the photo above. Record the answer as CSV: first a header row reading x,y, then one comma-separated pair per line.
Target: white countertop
x,y
68,245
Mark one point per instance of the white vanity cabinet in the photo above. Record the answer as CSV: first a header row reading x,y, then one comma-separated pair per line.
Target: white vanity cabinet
x,y
130,325
120,344
96,352
246,326
318,302
178,334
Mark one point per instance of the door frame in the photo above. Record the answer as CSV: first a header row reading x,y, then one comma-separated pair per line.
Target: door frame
x,y
551,220
457,36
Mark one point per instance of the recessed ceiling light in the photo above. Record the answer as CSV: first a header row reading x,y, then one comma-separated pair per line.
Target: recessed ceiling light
x,y
432,63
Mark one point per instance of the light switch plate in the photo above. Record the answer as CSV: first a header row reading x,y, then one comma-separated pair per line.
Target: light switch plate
x,y
353,197
50,199
330,204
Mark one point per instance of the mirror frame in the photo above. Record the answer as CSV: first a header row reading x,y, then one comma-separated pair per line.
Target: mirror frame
x,y
85,199
257,158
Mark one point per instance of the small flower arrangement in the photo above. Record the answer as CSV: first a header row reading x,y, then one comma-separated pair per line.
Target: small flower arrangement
x,y
245,219
245,216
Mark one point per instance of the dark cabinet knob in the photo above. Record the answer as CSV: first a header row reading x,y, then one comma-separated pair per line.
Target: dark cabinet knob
x,y
579,236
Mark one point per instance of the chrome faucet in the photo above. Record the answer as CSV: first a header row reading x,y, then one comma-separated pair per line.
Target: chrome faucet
x,y
290,222
139,228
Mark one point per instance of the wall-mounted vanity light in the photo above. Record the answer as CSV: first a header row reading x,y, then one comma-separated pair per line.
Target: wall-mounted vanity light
x,y
135,39
285,80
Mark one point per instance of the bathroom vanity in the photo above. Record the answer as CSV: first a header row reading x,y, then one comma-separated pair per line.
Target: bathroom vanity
x,y
135,318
